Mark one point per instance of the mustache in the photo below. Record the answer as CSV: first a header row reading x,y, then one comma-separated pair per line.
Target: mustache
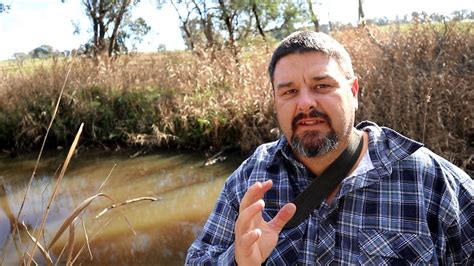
x,y
312,114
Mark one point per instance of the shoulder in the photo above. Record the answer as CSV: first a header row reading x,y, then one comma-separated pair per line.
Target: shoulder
x,y
392,149
434,164
436,169
447,190
406,161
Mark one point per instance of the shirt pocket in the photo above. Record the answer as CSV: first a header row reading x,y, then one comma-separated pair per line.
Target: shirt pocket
x,y
382,247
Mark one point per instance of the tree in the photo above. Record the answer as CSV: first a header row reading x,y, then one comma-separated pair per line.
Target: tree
x,y
226,22
43,51
133,31
459,15
228,13
360,12
185,23
290,15
437,17
4,8
312,15
256,13
197,18
205,19
112,25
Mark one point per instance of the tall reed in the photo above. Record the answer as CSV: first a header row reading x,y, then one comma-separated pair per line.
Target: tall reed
x,y
417,80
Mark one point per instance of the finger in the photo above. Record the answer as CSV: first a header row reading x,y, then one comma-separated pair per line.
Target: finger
x,y
283,216
254,193
245,218
247,240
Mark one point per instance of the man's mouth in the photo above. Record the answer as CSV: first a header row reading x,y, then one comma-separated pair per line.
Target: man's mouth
x,y
314,118
310,122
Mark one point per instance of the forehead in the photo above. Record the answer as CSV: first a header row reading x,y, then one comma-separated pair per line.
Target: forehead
x,y
297,65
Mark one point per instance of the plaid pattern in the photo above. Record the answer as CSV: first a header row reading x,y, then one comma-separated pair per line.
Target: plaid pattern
x,y
411,207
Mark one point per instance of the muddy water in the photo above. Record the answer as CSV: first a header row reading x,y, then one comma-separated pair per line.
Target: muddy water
x,y
145,232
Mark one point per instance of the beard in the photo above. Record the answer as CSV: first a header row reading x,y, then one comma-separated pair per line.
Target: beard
x,y
313,143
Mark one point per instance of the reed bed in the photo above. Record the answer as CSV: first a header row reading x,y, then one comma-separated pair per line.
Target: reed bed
x,y
417,80
70,253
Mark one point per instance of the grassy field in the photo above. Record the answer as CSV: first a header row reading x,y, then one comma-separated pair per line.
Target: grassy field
x,y
417,80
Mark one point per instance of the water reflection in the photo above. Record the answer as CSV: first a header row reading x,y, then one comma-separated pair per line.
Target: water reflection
x,y
144,232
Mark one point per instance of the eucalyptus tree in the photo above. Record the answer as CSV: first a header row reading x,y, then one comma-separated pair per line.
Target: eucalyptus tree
x,y
112,25
227,22
312,15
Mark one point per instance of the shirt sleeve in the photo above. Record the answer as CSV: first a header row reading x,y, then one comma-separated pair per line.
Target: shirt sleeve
x,y
456,214
214,246
459,234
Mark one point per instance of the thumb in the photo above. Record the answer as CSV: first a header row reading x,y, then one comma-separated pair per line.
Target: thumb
x,y
283,216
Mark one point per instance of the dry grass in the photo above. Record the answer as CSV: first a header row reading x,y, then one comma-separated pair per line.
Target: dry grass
x,y
418,82
70,221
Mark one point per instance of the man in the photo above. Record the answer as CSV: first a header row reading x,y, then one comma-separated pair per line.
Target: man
x,y
399,204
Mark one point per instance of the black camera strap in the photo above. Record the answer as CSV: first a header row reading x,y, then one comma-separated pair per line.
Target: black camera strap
x,y
310,199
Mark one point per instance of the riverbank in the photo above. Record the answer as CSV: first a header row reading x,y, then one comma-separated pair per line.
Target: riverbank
x,y
417,80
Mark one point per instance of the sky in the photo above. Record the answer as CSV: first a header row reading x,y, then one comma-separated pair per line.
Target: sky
x,y
32,23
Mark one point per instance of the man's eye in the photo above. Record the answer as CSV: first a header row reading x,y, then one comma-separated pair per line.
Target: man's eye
x,y
288,92
322,86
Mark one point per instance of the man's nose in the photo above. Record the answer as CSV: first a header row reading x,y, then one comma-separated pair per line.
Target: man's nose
x,y
306,101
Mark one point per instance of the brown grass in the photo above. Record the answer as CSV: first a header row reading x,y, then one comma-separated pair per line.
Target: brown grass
x,y
418,82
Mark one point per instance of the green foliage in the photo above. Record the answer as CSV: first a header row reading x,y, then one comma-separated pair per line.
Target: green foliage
x,y
215,23
7,127
42,51
112,26
132,31
291,16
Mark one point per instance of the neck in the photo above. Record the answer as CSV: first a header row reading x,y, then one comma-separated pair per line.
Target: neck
x,y
318,164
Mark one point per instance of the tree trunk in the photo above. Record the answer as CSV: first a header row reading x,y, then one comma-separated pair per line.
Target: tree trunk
x,y
102,27
185,27
314,18
257,20
361,11
91,9
228,20
206,22
117,22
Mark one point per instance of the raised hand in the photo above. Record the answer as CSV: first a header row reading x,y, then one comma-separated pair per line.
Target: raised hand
x,y
254,237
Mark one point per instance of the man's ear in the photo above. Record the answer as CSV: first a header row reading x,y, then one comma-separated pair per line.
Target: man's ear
x,y
355,91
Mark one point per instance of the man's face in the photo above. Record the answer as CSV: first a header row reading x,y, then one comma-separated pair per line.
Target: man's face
x,y
314,101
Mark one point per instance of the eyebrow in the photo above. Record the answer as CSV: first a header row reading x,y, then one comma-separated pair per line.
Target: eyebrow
x,y
284,85
323,77
316,78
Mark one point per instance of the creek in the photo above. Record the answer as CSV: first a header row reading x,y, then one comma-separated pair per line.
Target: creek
x,y
144,232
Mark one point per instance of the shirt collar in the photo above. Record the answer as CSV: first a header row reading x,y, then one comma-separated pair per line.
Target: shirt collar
x,y
283,149
385,146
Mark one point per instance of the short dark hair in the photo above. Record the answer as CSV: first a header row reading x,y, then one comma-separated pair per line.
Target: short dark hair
x,y
310,41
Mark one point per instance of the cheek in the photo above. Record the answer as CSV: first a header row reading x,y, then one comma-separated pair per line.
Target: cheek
x,y
284,114
342,112
335,107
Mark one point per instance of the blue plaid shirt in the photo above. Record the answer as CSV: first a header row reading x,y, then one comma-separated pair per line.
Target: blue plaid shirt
x,y
412,207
